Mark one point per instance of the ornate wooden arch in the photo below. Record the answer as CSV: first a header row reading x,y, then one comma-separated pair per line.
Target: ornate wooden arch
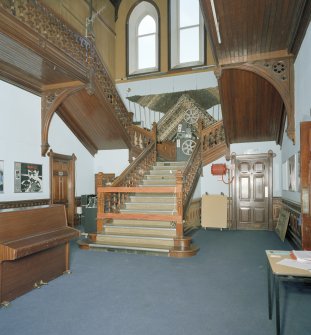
x,y
280,74
50,101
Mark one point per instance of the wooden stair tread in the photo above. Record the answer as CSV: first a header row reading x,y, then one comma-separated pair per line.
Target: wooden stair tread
x,y
139,227
148,248
121,235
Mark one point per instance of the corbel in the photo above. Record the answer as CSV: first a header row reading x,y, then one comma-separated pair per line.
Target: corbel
x,y
279,72
50,101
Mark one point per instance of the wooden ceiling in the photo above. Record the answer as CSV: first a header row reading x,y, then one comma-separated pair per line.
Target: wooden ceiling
x,y
257,40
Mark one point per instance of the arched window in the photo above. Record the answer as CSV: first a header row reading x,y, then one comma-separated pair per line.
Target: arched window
x,y
187,34
143,41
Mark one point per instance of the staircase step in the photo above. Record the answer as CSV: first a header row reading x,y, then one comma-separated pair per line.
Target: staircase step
x,y
167,168
146,249
147,211
150,206
159,182
154,199
150,249
131,240
162,172
160,177
139,230
145,223
182,164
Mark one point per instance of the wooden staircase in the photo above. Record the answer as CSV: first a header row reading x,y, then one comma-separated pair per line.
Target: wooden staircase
x,y
146,235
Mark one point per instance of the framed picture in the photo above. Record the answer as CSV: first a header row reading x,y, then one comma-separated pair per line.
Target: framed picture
x,y
292,173
285,176
1,176
27,177
298,171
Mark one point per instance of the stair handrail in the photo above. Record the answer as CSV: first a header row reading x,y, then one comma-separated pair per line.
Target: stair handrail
x,y
191,174
130,177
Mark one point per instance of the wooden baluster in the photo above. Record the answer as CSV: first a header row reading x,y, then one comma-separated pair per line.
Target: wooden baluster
x,y
119,202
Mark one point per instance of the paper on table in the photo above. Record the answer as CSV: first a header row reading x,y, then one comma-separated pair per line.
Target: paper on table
x,y
295,264
302,256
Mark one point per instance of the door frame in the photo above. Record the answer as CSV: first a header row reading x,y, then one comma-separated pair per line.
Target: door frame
x,y
70,183
234,158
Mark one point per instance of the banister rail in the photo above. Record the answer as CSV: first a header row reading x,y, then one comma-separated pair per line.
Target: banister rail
x,y
135,171
112,199
191,174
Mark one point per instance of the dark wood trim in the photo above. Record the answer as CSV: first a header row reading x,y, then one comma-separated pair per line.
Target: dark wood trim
x,y
300,32
293,234
71,209
50,102
23,203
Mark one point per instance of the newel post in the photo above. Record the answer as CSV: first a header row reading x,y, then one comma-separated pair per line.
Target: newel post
x,y
100,209
179,204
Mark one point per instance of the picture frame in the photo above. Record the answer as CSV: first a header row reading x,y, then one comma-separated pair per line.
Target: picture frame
x,y
1,176
298,171
292,173
285,176
27,177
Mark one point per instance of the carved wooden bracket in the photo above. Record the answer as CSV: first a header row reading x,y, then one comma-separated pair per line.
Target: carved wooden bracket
x,y
280,74
50,101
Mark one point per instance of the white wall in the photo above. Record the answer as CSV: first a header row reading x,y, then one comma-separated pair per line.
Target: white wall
x,y
302,105
63,141
111,161
20,141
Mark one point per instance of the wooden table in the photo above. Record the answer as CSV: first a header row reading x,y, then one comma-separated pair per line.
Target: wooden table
x,y
276,273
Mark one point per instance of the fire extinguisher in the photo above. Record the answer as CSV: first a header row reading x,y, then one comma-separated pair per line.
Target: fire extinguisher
x,y
220,170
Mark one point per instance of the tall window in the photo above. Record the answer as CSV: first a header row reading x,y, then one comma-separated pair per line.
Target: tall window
x,y
143,39
187,33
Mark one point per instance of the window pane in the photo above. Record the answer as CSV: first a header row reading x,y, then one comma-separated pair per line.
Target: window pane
x,y
189,13
146,52
146,26
189,50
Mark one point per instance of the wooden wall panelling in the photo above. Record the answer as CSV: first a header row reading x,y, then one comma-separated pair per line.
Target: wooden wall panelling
x,y
294,232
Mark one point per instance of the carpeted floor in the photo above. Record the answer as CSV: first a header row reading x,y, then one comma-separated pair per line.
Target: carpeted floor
x,y
221,291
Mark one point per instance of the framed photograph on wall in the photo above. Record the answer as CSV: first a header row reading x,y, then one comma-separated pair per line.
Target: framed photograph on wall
x,y
298,171
27,177
292,173
284,176
1,176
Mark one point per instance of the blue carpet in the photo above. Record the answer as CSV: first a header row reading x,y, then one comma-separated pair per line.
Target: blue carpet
x,y
221,291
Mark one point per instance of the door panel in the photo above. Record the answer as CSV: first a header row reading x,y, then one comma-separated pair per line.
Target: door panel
x,y
252,192
63,183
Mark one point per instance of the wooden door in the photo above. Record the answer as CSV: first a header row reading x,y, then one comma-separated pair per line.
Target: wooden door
x,y
252,192
62,169
305,180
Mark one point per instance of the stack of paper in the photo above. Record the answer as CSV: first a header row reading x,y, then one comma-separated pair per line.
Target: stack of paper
x,y
302,256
